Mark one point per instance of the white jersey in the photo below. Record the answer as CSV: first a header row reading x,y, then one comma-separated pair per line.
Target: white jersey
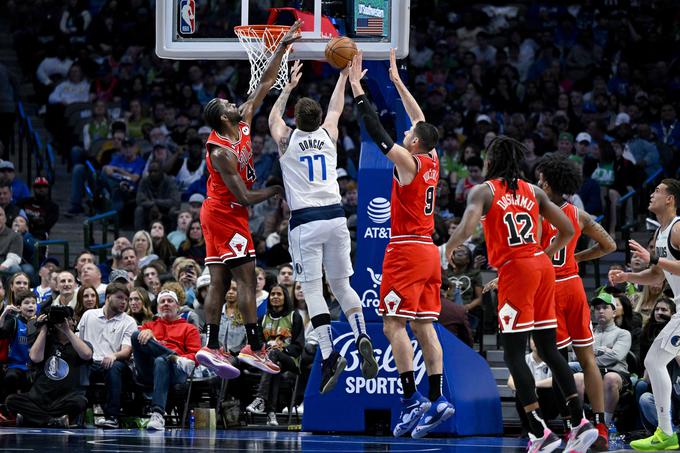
x,y
664,249
309,170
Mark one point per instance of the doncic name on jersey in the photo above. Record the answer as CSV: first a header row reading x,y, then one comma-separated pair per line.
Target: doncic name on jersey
x,y
379,212
387,382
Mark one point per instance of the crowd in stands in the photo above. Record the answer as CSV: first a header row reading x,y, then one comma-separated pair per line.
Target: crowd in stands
x,y
595,81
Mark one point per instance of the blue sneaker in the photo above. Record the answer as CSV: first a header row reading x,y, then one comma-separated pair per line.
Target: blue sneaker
x,y
438,412
411,411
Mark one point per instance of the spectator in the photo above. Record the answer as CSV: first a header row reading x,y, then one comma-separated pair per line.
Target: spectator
x,y
96,130
261,294
16,283
42,213
140,306
67,290
122,174
645,302
109,330
83,258
119,244
149,279
74,89
52,70
164,354
667,130
128,260
143,246
350,199
43,291
180,234
194,246
188,167
75,20
612,345
263,161
465,285
86,299
136,120
474,166
202,284
661,313
16,325
627,319
6,203
283,332
20,226
19,188
644,151
195,204
157,197
232,328
161,245
11,247
285,278
55,397
92,276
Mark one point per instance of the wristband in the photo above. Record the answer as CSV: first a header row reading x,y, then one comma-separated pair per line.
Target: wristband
x,y
653,260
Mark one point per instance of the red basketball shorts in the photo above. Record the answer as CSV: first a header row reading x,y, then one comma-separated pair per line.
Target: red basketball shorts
x,y
411,281
226,232
573,313
526,294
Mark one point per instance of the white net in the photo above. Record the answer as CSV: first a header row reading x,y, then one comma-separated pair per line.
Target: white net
x,y
260,42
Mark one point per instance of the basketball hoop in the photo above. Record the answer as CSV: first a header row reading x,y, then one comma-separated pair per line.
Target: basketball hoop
x,y
260,43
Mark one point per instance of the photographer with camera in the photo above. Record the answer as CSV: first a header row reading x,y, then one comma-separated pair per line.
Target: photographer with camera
x,y
109,330
17,325
56,395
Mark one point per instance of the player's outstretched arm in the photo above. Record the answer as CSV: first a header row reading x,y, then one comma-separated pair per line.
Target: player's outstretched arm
x,y
406,164
269,75
278,129
604,243
478,200
336,105
410,104
657,262
226,164
552,212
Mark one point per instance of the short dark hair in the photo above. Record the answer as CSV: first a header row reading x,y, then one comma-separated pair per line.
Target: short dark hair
x,y
427,134
673,186
288,265
212,114
24,294
475,161
563,175
307,114
115,287
6,184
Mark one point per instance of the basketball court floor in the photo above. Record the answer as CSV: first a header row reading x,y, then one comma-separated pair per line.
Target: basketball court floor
x,y
133,441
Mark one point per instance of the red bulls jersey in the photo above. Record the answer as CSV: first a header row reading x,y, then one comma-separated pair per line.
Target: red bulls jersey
x,y
242,150
413,203
511,224
563,261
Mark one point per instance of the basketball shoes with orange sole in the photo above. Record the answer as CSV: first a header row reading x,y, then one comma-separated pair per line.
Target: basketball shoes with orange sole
x,y
259,359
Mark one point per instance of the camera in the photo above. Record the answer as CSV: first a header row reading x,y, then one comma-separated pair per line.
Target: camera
x,y
58,314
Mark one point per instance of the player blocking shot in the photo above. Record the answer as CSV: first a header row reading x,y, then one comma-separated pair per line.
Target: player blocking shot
x,y
663,263
510,209
411,276
318,234
230,251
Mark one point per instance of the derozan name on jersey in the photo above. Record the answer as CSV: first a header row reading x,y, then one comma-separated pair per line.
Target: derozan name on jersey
x,y
515,200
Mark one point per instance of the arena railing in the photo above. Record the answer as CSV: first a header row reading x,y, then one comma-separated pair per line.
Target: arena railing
x,y
105,220
32,154
40,245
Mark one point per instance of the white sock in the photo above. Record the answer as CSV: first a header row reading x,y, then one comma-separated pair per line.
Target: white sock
x,y
655,363
608,418
349,300
316,305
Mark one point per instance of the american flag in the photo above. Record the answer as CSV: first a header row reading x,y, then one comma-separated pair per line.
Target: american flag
x,y
369,26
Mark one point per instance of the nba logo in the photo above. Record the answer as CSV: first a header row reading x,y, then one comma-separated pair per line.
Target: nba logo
x,y
187,18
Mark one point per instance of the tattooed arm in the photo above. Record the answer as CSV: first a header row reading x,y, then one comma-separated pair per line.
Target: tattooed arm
x,y
604,244
278,129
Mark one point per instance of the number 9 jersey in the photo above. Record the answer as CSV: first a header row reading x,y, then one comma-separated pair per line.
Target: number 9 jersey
x,y
511,223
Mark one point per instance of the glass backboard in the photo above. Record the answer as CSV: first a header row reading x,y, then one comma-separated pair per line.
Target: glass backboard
x,y
204,29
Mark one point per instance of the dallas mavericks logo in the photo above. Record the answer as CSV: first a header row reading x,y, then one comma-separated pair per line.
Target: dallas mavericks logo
x,y
56,368
675,340
379,210
371,298
387,382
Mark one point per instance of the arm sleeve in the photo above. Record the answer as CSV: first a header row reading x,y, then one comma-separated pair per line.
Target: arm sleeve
x,y
372,123
297,342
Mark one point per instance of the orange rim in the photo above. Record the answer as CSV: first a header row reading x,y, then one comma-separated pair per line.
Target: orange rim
x,y
259,30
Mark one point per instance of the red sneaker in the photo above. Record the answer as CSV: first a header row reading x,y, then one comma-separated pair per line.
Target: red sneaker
x,y
602,442
218,361
259,360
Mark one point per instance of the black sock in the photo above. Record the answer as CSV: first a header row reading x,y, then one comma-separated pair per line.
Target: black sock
x,y
253,337
536,425
575,409
408,383
598,417
213,331
435,386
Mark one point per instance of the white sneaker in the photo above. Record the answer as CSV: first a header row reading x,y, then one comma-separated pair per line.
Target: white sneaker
x,y
271,419
186,365
301,408
256,407
157,422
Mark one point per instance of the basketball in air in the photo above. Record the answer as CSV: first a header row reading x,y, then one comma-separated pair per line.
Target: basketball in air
x,y
340,51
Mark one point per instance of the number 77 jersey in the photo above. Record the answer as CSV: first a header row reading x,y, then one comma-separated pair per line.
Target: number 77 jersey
x,y
511,223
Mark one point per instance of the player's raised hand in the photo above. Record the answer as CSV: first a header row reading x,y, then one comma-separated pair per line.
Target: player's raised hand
x,y
639,251
292,34
394,70
295,75
356,71
617,276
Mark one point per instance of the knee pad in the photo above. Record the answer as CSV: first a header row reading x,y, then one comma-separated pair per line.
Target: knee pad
x,y
316,304
345,294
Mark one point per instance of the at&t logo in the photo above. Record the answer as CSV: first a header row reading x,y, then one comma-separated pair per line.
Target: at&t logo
x,y
379,212
387,382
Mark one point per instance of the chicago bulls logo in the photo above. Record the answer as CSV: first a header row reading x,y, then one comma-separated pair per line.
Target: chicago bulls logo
x,y
238,245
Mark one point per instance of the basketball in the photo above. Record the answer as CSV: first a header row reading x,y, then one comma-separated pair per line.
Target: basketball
x,y
340,51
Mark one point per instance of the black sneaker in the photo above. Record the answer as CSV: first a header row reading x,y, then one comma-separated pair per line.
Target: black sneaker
x,y
331,369
369,366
